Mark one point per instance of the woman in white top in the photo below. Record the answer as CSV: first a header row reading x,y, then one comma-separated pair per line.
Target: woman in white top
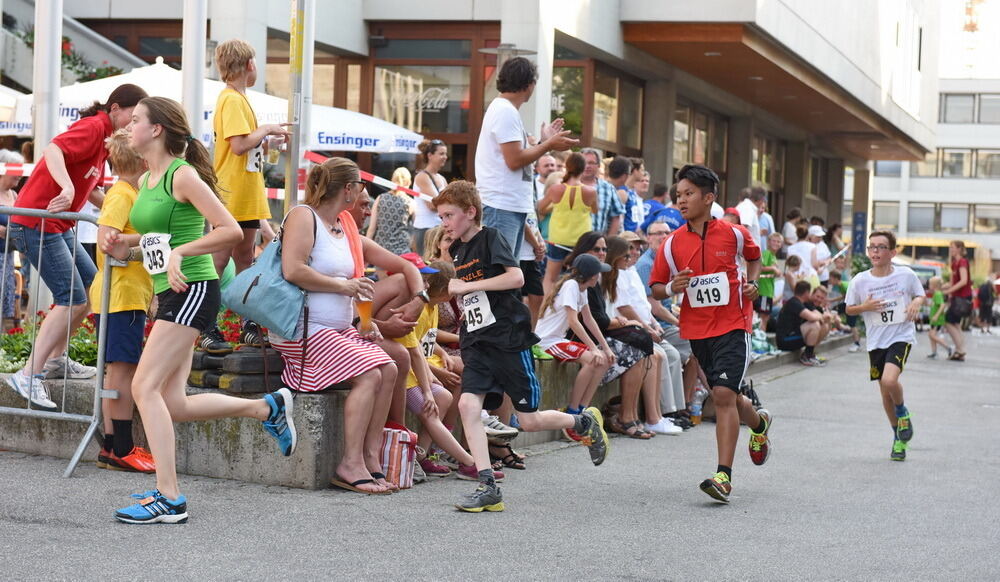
x,y
821,257
802,248
560,311
324,254
429,181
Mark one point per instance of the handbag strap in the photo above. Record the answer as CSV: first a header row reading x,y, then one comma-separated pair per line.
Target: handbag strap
x,y
305,302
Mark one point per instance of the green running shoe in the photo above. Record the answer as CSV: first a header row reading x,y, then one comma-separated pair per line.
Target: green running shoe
x,y
904,428
594,438
898,450
539,353
717,487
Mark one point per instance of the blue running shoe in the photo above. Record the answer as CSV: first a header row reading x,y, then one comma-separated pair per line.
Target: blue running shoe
x,y
155,509
279,424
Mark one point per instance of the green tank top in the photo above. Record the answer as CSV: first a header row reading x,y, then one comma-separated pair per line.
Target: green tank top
x,y
156,211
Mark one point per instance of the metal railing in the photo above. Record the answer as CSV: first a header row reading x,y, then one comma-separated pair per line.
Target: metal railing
x,y
93,420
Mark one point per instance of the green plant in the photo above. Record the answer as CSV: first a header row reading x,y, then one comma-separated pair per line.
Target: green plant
x,y
860,262
74,61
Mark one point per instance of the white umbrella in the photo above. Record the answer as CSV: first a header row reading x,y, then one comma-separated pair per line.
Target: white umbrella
x,y
332,129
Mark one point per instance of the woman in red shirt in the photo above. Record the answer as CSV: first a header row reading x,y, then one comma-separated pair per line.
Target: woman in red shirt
x,y
70,173
960,303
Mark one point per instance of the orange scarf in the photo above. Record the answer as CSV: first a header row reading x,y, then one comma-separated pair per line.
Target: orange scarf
x,y
354,242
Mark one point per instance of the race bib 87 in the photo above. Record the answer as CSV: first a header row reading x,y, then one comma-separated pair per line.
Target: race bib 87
x,y
708,290
155,252
892,314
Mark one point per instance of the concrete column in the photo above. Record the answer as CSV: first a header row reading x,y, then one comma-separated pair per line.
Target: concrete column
x,y
246,20
193,63
659,103
835,192
739,153
796,175
523,25
862,208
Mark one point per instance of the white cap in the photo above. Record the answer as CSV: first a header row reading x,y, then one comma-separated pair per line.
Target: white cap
x,y
816,230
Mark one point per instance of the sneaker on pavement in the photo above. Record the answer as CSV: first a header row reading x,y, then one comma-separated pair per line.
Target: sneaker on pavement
x,y
447,460
64,367
484,498
252,335
31,388
594,438
539,353
432,469
664,426
760,445
279,423
904,428
212,342
137,461
854,347
469,473
497,429
155,508
812,362
932,355
898,450
717,487
418,473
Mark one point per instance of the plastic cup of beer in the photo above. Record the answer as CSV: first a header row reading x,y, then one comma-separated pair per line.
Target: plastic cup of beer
x,y
364,305
274,145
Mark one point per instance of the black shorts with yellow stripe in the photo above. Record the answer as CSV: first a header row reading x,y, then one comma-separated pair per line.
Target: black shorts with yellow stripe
x,y
895,354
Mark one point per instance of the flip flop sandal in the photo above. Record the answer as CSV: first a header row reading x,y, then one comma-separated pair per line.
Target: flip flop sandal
x,y
353,486
511,460
381,476
638,432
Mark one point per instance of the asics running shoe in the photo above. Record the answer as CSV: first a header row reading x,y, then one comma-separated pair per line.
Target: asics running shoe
x,y
484,498
594,437
898,450
904,428
717,487
760,445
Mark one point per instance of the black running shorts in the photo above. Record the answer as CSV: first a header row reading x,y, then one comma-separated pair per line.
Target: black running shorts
x,y
493,372
894,354
196,307
532,272
724,358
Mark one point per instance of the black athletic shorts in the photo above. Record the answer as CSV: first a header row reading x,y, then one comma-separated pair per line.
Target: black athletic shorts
x,y
724,358
532,278
958,309
894,354
763,304
249,223
493,372
198,307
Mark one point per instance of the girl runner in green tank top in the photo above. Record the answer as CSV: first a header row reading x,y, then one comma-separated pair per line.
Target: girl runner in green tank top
x,y
171,216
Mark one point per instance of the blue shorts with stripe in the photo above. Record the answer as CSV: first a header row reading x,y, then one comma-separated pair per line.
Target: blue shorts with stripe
x,y
493,373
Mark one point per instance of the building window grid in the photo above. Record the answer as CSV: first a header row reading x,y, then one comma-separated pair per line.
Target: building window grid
x,y
942,217
953,163
974,108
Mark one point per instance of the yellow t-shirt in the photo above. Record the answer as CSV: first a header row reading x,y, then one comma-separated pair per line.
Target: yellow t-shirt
x,y
131,286
241,181
424,336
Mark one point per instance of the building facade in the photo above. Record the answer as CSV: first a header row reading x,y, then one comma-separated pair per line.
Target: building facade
x,y
782,94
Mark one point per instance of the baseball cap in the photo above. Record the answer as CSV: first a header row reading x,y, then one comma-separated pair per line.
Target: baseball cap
x,y
816,230
732,210
630,236
589,265
418,262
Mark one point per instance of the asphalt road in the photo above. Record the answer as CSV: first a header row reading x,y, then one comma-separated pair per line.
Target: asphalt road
x,y
828,505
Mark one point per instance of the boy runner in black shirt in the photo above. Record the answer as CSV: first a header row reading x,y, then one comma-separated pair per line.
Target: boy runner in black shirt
x,y
496,340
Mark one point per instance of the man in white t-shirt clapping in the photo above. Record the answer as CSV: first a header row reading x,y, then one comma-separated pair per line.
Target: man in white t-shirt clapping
x,y
503,156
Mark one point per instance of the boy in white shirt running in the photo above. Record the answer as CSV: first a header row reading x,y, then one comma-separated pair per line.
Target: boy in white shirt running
x,y
889,298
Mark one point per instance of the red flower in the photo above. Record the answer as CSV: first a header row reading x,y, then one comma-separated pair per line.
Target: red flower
x,y
15,330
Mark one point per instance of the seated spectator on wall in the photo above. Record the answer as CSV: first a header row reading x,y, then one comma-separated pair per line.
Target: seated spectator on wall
x,y
800,327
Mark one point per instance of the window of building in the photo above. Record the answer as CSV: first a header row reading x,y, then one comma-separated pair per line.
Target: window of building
x,y
424,98
989,108
987,219
631,114
605,106
920,217
424,48
988,164
719,136
885,216
958,108
954,218
682,137
888,168
956,163
568,98
927,168
699,151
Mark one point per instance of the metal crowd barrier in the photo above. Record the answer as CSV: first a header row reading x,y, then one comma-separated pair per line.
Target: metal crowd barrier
x,y
93,420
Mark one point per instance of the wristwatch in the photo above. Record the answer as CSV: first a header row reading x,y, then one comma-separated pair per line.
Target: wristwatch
x,y
423,296
753,282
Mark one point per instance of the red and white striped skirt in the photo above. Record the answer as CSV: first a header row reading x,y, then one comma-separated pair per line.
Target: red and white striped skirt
x,y
333,356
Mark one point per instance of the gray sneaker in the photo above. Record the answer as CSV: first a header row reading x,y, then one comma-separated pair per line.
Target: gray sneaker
x,y
32,389
418,472
594,438
484,498
496,429
64,367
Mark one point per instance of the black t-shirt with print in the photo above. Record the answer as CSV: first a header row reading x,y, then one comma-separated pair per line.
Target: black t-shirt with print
x,y
486,256
598,308
789,321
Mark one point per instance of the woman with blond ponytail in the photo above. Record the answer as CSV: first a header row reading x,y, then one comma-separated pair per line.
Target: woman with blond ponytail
x,y
177,196
323,254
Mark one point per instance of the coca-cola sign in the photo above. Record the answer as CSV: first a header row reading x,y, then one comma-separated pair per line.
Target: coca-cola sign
x,y
432,99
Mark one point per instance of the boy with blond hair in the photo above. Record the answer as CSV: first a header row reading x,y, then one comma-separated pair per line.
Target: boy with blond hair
x,y
496,340
240,146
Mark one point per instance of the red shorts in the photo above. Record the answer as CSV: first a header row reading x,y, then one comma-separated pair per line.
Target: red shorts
x,y
566,351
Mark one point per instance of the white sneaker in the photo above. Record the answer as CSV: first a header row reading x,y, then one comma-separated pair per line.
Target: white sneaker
x,y
495,428
32,389
854,348
64,366
664,426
